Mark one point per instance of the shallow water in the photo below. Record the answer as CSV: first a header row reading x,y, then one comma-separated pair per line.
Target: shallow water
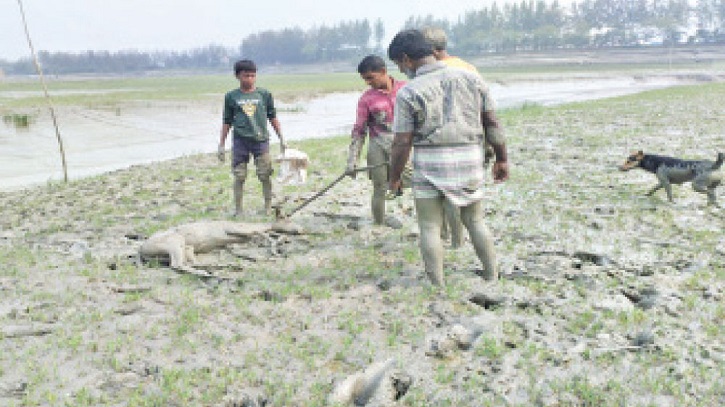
x,y
97,141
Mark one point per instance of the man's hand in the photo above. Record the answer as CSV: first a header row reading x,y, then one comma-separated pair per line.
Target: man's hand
x,y
353,152
500,171
350,171
282,144
488,154
394,189
220,153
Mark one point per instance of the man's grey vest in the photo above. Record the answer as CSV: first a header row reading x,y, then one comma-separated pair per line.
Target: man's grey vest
x,y
447,103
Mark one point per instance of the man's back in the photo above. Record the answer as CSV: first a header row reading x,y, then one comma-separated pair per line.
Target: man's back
x,y
442,106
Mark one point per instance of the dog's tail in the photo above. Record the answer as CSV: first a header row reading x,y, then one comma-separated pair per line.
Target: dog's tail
x,y
718,163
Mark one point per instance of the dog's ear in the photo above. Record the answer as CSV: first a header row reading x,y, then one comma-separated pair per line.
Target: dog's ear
x,y
640,153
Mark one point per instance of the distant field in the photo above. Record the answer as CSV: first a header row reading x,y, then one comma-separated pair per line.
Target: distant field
x,y
112,91
92,92
645,60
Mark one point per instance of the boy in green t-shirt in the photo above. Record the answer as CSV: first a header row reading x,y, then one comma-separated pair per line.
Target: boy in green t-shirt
x,y
246,110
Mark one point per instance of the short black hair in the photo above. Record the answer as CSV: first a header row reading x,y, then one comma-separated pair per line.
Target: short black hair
x,y
244,65
371,63
409,42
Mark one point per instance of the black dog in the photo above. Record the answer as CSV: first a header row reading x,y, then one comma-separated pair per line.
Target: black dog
x,y
669,170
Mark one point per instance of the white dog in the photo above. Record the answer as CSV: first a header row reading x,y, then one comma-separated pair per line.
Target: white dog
x,y
292,167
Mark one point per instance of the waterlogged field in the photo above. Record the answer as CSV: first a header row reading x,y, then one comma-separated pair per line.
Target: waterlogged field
x,y
607,297
21,94
111,123
102,92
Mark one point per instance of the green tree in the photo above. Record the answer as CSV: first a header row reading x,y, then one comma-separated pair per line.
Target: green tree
x,y
379,34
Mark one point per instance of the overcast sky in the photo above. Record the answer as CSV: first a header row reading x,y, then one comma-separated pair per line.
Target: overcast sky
x,y
147,25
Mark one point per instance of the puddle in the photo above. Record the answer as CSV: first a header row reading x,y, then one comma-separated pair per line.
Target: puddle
x,y
97,141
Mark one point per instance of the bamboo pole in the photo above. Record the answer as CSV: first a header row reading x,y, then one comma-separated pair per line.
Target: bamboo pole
x,y
45,90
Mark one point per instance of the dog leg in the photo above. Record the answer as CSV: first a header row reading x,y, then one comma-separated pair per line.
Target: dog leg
x,y
711,196
189,256
191,270
706,183
664,177
655,189
668,189
169,244
177,255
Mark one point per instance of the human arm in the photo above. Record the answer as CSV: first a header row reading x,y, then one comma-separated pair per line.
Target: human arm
x,y
222,141
403,127
357,141
272,117
278,130
227,118
353,154
399,156
494,137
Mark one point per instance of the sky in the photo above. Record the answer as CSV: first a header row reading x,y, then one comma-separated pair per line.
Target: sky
x,y
150,25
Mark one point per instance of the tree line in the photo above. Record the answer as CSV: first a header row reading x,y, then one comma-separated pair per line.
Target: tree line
x,y
517,26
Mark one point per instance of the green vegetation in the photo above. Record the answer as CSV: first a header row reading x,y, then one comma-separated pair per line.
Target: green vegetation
x,y
18,120
292,326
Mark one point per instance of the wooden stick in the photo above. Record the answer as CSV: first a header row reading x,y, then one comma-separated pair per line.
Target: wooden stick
x,y
45,89
327,188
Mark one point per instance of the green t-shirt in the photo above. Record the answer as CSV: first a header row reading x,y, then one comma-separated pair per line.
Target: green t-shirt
x,y
248,113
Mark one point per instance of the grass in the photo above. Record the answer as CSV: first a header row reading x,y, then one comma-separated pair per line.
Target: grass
x,y
211,341
489,348
18,120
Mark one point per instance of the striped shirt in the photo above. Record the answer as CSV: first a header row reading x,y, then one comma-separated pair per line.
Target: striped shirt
x,y
442,106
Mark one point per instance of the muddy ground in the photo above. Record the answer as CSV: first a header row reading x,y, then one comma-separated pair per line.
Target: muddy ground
x,y
607,296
